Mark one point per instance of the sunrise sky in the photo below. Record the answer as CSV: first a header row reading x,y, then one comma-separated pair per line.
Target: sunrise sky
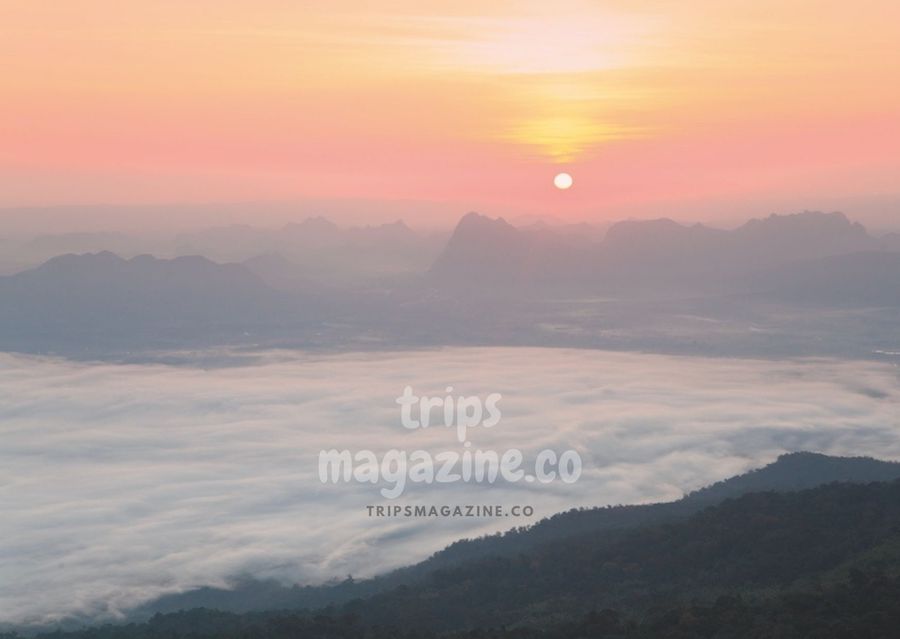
x,y
711,108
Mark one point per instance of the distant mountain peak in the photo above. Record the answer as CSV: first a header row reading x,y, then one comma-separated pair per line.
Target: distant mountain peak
x,y
835,221
626,228
482,248
98,256
69,260
398,228
477,222
540,221
314,223
489,233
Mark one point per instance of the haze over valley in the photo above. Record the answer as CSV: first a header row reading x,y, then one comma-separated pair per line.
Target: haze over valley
x,y
643,285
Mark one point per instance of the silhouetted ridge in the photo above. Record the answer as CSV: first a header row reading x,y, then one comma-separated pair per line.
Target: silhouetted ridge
x,y
800,471
788,473
765,555
642,257
103,298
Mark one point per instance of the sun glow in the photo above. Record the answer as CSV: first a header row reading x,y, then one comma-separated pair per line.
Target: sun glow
x,y
451,101
551,66
563,181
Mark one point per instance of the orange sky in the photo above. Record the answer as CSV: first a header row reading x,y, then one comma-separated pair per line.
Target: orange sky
x,y
709,109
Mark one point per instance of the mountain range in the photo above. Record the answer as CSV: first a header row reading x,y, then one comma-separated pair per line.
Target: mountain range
x,y
315,285
103,298
654,257
321,251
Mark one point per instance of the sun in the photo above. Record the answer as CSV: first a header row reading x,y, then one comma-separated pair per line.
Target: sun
x,y
563,181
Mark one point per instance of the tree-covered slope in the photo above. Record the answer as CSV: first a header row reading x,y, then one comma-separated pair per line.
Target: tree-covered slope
x,y
816,563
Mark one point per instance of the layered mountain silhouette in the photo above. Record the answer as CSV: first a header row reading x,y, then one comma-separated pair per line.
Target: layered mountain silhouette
x,y
492,283
319,250
643,257
492,254
100,296
64,243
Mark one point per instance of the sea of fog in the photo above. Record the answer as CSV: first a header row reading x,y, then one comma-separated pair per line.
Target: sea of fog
x,y
119,483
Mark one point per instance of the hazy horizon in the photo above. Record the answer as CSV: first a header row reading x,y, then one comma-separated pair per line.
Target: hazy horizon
x,y
708,111
161,219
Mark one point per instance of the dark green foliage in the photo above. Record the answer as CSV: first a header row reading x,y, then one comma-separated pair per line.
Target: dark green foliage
x,y
760,542
795,471
864,607
818,563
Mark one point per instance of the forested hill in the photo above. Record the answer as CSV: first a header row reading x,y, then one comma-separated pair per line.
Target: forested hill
x,y
816,563
790,472
793,471
863,606
758,543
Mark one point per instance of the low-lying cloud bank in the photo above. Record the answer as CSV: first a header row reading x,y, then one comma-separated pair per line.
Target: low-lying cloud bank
x,y
122,482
